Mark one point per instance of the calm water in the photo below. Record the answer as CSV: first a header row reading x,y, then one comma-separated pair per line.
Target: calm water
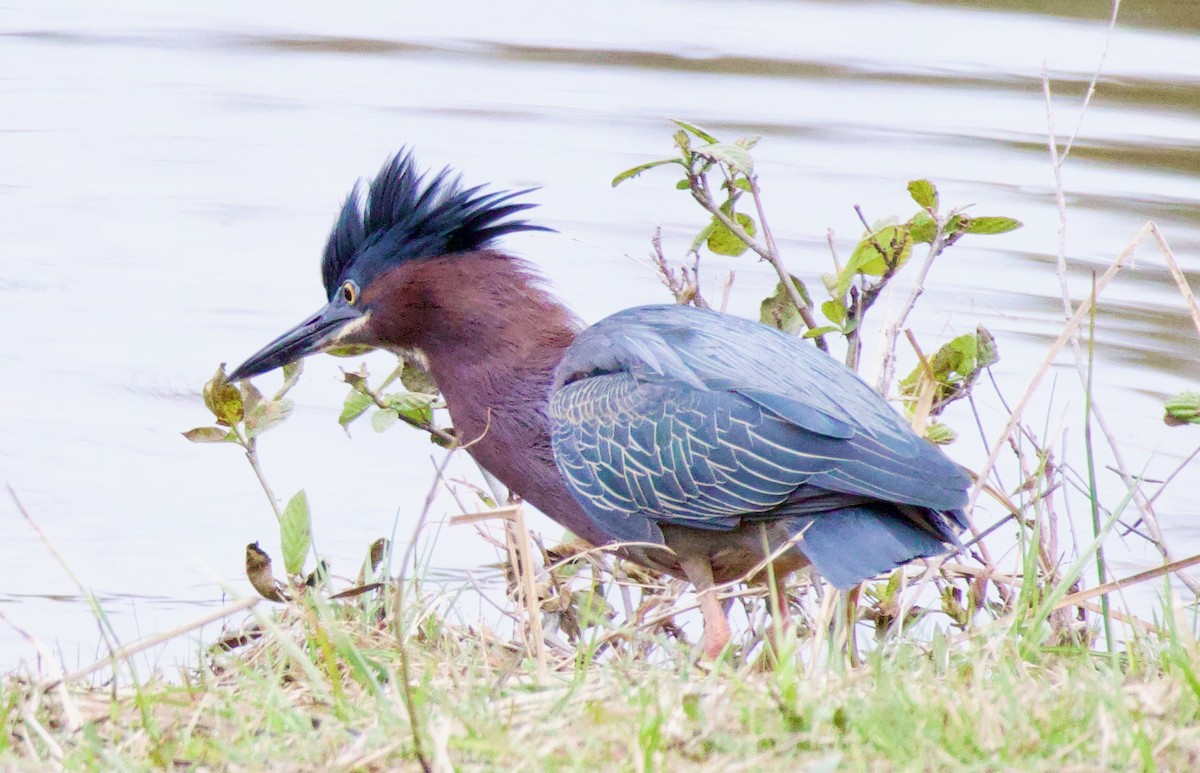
x,y
168,174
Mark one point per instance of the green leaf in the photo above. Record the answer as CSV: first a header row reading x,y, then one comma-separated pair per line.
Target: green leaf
x,y
834,311
209,435
632,172
1183,408
291,375
747,142
355,405
990,225
383,419
722,241
357,378
940,434
684,143
742,183
821,331
349,350
417,379
867,258
268,414
295,532
414,405
924,193
737,158
694,129
922,228
778,311
591,609
223,399
251,397
987,353
703,235
683,185
955,367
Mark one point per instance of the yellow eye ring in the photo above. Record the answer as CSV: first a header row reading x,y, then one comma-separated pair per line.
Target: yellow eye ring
x,y
350,292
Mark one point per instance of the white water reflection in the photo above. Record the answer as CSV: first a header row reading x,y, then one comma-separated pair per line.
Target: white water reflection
x,y
168,174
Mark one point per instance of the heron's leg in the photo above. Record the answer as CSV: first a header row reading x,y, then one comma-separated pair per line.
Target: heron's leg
x,y
716,623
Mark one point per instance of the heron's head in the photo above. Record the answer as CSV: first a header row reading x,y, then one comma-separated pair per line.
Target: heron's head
x,y
402,218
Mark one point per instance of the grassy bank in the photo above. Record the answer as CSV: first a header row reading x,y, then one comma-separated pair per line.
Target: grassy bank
x,y
321,687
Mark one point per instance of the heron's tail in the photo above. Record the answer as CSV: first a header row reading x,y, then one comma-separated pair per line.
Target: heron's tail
x,y
854,543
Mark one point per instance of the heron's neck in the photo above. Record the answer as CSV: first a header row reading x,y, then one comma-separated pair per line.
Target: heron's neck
x,y
493,338
474,312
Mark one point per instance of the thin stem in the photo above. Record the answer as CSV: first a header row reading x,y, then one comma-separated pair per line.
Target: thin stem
x,y
1102,575
410,701
890,335
767,252
251,446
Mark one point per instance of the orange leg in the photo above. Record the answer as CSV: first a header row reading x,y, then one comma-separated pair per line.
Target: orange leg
x,y
716,623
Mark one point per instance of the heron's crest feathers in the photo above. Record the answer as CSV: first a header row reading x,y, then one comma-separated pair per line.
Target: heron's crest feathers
x,y
404,214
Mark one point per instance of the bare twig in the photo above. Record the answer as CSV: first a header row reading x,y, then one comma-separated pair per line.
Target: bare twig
x,y
892,331
410,702
106,630
146,643
1176,567
768,252
1143,504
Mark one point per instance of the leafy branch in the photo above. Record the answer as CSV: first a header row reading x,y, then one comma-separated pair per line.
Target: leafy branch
x,y
730,232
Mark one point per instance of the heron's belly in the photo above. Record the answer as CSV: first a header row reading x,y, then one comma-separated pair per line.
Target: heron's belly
x,y
737,554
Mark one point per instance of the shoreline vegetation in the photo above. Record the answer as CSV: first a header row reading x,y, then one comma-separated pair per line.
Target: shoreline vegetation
x,y
1018,653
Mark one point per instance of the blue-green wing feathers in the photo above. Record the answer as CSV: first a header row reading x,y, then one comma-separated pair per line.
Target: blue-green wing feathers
x,y
673,415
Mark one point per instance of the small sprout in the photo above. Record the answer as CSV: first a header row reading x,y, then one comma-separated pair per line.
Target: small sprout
x,y
1183,408
258,571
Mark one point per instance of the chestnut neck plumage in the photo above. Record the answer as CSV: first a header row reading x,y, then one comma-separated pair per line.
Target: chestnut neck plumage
x,y
493,338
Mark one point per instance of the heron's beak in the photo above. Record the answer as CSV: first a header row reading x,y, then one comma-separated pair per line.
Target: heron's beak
x,y
332,324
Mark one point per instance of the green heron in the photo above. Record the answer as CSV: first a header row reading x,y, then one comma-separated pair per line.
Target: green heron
x,y
708,441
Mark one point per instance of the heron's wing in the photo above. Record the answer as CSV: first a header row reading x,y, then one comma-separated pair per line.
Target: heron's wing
x,y
693,417
637,455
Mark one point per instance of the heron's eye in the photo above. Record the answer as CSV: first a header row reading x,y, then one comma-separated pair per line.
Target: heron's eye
x,y
350,292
